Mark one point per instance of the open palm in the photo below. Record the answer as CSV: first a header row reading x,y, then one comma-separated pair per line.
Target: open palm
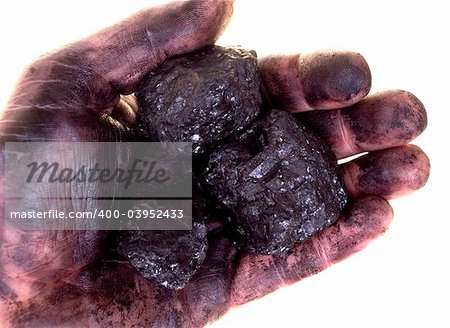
x,y
68,278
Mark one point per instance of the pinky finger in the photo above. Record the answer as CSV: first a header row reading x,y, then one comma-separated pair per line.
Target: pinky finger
x,y
257,275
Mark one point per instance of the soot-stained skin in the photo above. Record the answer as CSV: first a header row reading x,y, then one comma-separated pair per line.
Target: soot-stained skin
x,y
279,180
322,80
202,97
383,120
72,283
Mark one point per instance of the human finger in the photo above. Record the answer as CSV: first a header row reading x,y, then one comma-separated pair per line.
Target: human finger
x,y
62,96
124,112
382,120
387,173
319,80
257,275
90,74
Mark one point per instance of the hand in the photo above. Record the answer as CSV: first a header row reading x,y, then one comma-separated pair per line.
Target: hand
x,y
44,279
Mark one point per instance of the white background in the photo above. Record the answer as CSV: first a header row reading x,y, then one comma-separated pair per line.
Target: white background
x,y
400,280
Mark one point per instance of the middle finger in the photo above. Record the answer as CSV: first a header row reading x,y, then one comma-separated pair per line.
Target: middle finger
x,y
379,121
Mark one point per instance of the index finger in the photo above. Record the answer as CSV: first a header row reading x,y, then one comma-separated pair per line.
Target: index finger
x,y
319,80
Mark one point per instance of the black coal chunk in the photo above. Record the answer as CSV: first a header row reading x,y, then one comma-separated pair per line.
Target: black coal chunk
x,y
168,257
201,98
279,180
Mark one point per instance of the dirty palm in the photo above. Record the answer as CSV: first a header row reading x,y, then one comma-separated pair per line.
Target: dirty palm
x,y
289,107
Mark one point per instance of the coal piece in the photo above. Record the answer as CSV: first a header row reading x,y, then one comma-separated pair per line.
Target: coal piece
x,y
201,98
168,257
279,180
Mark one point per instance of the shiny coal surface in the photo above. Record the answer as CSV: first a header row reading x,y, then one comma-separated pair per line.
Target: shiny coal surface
x,y
279,180
201,97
